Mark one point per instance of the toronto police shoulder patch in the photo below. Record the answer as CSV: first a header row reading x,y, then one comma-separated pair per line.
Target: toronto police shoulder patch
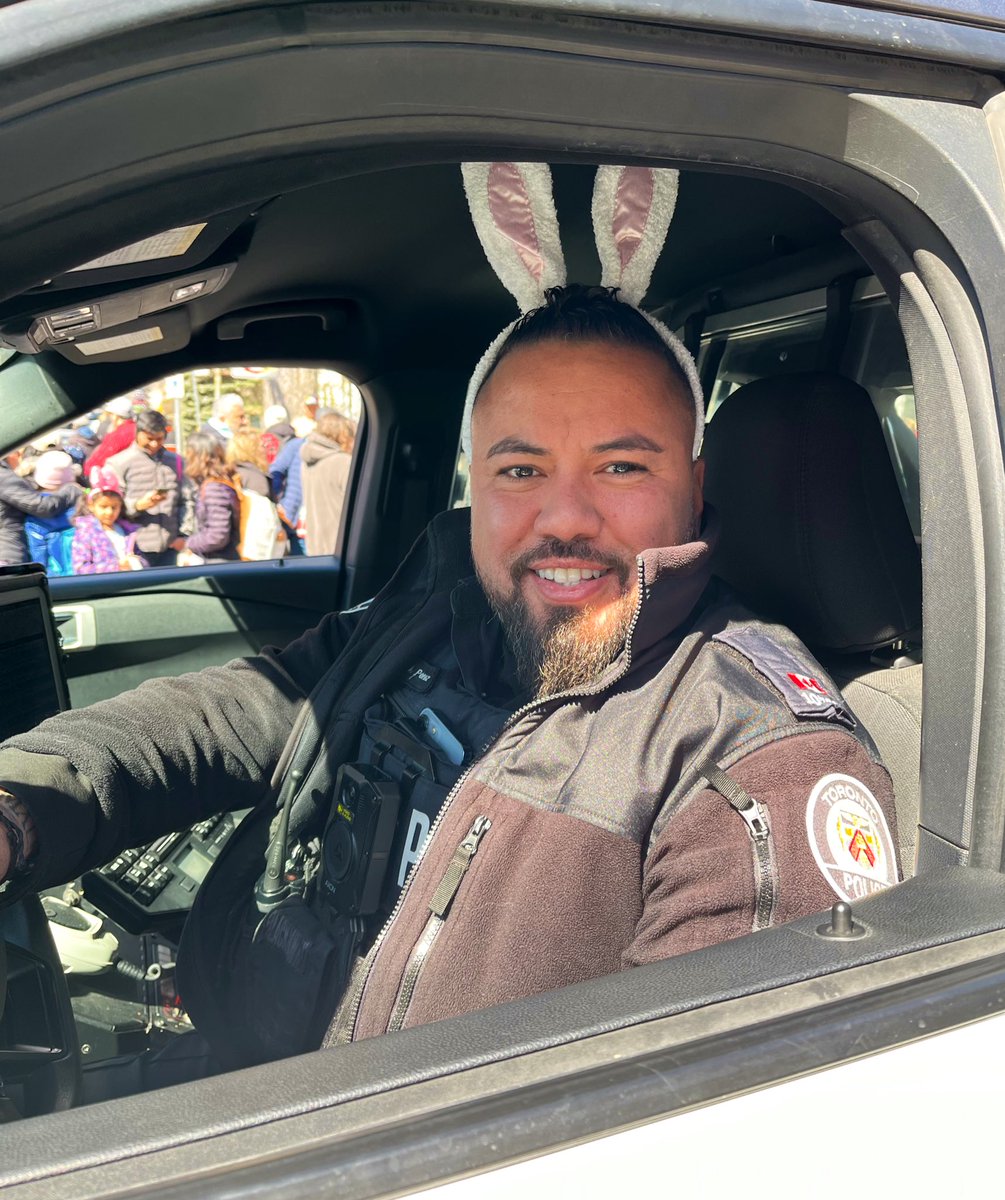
x,y
850,838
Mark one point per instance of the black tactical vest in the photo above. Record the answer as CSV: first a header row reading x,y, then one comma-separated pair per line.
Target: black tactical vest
x,y
424,733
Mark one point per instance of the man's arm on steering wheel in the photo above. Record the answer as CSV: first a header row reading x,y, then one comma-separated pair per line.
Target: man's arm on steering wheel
x,y
90,782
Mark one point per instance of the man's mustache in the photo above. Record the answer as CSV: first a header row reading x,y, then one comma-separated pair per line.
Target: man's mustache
x,y
581,549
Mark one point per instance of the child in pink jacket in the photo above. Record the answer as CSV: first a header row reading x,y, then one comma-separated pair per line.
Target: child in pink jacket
x,y
101,542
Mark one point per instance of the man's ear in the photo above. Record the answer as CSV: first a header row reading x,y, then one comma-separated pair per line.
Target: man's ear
x,y
698,485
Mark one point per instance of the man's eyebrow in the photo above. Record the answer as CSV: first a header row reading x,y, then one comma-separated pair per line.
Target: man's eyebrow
x,y
631,441
515,445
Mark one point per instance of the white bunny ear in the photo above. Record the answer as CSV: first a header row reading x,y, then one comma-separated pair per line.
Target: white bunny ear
x,y
514,216
632,210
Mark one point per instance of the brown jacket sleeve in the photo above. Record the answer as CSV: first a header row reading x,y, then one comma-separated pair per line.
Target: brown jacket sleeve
x,y
699,881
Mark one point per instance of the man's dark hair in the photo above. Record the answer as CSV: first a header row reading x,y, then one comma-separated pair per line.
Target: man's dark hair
x,y
148,420
588,313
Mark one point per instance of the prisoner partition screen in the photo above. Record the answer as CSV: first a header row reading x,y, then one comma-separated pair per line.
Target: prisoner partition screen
x,y
32,685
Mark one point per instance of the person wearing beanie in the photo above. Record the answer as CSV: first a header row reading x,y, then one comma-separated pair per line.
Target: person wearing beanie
x,y
277,431
286,476
53,470
49,537
20,498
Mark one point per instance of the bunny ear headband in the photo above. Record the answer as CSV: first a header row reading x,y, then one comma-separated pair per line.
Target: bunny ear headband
x,y
514,216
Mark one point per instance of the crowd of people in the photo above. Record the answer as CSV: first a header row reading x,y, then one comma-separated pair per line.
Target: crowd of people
x,y
111,495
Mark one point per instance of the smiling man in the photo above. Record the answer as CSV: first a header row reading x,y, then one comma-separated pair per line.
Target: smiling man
x,y
588,753
581,459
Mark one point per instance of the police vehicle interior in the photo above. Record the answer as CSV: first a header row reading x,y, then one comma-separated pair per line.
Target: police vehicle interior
x,y
842,314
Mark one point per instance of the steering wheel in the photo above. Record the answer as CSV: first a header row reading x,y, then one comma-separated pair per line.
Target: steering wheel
x,y
39,1051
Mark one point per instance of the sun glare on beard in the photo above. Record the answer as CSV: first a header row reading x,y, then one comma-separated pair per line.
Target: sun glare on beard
x,y
577,649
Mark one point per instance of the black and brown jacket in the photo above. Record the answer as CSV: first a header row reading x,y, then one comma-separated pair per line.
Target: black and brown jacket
x,y
710,783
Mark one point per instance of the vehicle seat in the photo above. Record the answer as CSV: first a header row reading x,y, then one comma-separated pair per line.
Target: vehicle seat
x,y
815,535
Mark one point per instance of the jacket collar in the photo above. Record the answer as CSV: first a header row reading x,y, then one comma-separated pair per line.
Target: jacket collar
x,y
484,658
672,581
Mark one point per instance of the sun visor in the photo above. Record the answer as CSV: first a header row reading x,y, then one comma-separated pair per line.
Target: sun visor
x,y
181,248
162,333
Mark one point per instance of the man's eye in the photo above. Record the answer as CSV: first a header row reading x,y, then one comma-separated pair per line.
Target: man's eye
x,y
623,468
519,472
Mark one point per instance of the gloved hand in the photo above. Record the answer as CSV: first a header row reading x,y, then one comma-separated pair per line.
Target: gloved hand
x,y
17,836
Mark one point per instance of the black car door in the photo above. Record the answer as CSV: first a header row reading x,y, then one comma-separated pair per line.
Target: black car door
x,y
121,629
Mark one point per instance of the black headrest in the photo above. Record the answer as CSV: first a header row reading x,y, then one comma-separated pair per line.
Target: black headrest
x,y
814,531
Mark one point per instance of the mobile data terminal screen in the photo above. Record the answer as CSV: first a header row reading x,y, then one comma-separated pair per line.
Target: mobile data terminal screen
x,y
32,684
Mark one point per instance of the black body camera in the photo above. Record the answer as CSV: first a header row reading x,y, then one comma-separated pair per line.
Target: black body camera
x,y
358,837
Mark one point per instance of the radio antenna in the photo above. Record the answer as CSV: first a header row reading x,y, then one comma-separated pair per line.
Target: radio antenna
x,y
272,887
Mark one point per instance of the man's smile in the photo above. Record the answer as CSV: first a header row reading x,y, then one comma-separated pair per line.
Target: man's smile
x,y
575,584
569,575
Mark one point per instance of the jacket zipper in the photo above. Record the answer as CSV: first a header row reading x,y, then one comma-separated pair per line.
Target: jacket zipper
x,y
343,1027
439,908
764,866
756,819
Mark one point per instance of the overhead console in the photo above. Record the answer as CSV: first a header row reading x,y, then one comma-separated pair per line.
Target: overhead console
x,y
81,323
130,302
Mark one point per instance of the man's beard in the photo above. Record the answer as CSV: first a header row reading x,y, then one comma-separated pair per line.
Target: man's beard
x,y
570,646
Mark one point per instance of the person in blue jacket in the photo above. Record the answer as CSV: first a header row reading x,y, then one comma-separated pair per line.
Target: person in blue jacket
x,y
49,536
21,498
287,487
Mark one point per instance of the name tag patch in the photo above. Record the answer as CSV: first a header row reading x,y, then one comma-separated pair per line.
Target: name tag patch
x,y
422,676
850,838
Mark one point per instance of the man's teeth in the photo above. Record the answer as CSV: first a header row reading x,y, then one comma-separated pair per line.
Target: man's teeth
x,y
569,576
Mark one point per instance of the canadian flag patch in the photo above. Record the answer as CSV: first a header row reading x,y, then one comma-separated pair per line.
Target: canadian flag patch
x,y
808,684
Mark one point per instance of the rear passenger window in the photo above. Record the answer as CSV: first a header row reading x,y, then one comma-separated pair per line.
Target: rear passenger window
x,y
783,347
877,358
460,493
874,355
219,465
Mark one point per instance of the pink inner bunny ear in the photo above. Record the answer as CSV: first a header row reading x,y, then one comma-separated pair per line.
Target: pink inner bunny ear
x,y
510,206
633,203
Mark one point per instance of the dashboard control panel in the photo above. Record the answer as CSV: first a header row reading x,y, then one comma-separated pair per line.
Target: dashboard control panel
x,y
151,886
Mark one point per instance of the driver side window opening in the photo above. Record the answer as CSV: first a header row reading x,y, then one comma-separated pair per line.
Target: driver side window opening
x,y
736,348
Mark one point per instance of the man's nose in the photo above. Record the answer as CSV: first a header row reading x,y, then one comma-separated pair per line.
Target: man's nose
x,y
568,512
